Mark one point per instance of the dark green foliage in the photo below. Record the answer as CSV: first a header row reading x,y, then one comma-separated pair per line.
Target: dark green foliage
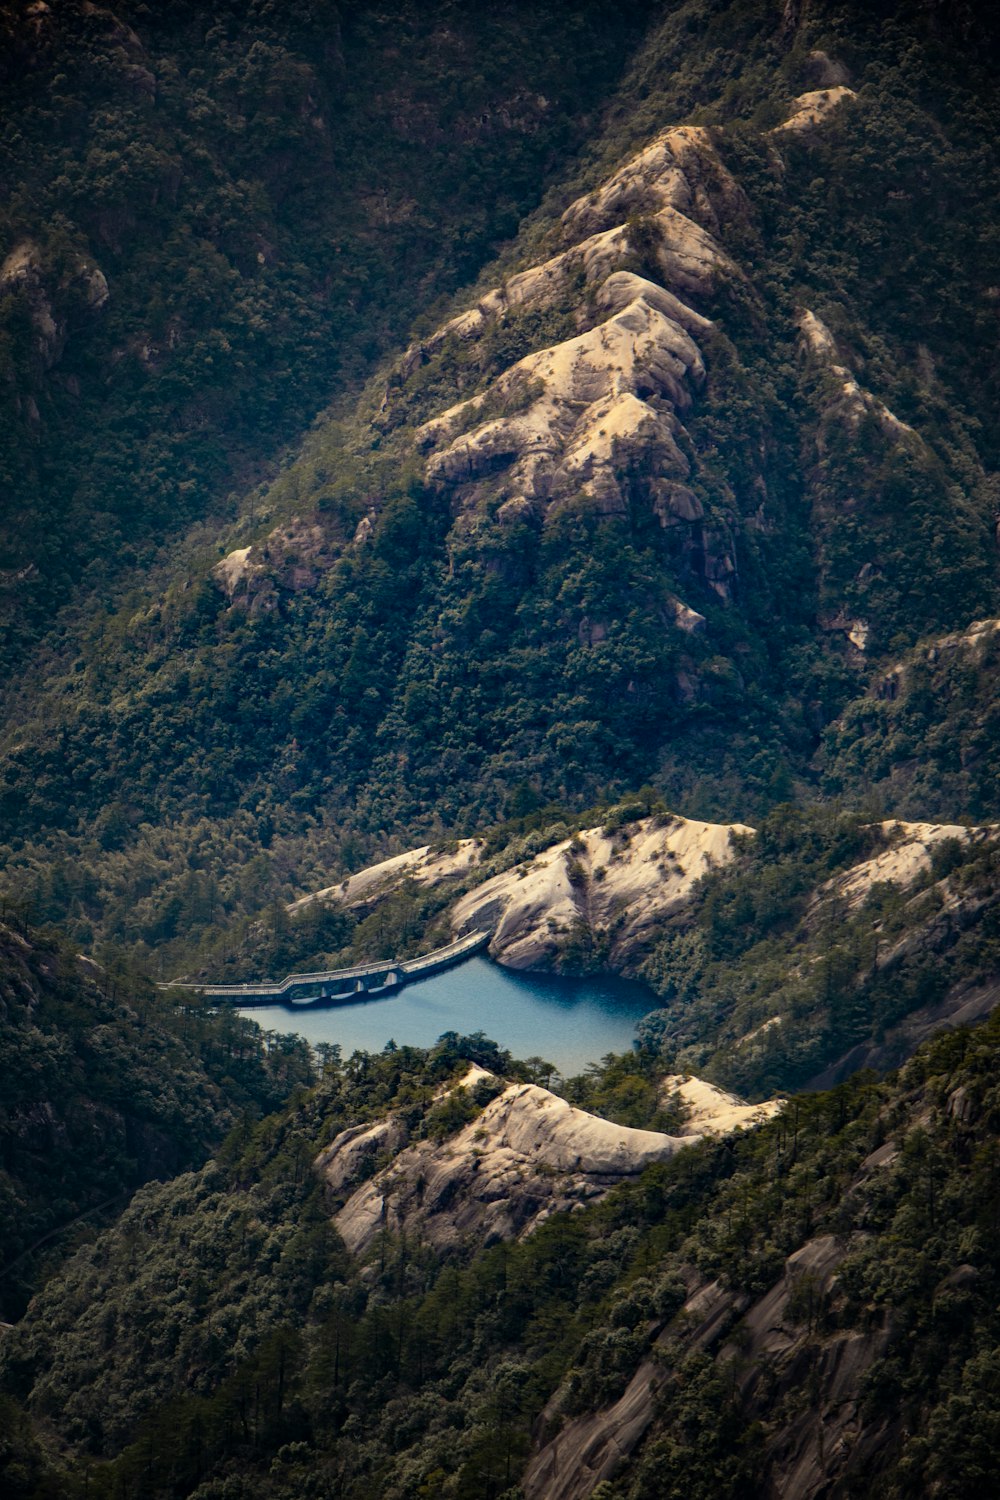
x,y
925,736
106,1084
241,1347
777,977
249,184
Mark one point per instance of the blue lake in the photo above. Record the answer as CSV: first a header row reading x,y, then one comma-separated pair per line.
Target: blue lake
x,y
569,1022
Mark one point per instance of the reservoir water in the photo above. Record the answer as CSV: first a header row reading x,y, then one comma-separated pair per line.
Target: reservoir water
x,y
569,1022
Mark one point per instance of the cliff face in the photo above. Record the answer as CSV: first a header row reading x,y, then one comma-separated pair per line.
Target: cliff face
x,y
527,1155
601,891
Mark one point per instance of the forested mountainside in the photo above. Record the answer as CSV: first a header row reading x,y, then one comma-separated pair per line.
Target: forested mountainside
x,y
205,214
700,461
103,1086
553,448
805,1308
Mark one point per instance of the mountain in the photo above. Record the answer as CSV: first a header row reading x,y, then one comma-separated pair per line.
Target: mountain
x,y
694,465
806,1307
531,470
105,1086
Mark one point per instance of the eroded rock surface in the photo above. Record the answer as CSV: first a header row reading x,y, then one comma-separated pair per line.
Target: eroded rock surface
x,y
806,1446
578,421
813,108
709,1110
849,401
614,886
426,866
527,1155
907,858
291,558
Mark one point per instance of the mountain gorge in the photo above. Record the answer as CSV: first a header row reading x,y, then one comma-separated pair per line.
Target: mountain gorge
x,y
529,471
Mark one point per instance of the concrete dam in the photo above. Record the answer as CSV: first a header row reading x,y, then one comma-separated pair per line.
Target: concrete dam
x,y
340,986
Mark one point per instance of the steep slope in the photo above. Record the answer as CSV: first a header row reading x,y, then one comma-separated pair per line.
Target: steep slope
x,y
658,1342
667,491
923,734
829,945
203,217
104,1086
527,1155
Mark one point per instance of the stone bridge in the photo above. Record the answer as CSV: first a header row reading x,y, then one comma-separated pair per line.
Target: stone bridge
x,y
340,986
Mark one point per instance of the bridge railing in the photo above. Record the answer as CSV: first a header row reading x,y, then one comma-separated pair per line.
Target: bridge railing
x,y
406,969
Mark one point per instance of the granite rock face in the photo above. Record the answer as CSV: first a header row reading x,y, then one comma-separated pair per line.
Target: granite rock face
x,y
529,1154
613,886
597,419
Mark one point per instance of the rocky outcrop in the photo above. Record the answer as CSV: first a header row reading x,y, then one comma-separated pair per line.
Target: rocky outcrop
x,y
681,190
677,174
813,108
611,886
51,298
964,1005
528,1154
607,887
597,418
429,865
971,643
587,408
774,1350
906,860
291,559
709,1110
848,401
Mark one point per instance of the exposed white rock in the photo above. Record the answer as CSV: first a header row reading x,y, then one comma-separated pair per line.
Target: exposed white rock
x,y
293,556
679,173
852,402
527,1155
22,263
426,866
906,860
812,109
23,271
978,635
686,618
234,569
759,1031
586,405
619,885
679,170
94,283
574,421
709,1110
354,1152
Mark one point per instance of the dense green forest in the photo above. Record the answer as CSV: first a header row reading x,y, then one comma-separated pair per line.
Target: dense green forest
x,y
175,758
104,1084
219,1341
264,622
